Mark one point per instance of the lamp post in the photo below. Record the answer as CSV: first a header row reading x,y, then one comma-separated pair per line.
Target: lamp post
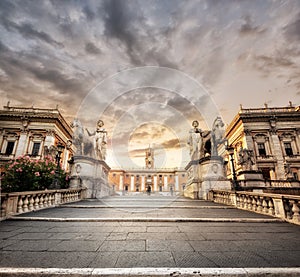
x,y
230,150
60,149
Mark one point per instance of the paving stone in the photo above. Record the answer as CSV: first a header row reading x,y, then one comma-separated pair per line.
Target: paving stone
x,y
46,259
191,259
257,246
119,246
236,259
162,229
105,260
76,246
194,236
209,245
133,229
117,236
32,245
221,236
281,258
32,236
5,242
145,259
96,236
67,236
168,245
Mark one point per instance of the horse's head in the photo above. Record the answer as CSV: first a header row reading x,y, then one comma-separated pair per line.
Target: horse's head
x,y
76,123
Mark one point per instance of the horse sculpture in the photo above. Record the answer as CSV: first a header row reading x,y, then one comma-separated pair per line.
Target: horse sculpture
x,y
83,145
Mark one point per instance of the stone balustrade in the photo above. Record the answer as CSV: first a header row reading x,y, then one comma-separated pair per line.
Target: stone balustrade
x,y
282,206
22,202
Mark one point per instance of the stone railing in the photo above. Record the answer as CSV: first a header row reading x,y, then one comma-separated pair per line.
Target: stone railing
x,y
27,201
286,207
272,183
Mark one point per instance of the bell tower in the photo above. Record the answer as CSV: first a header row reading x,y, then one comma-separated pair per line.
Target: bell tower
x,y
149,158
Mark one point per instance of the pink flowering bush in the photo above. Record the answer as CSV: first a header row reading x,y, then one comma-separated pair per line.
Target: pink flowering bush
x,y
26,174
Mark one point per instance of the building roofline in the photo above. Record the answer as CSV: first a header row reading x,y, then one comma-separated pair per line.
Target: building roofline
x,y
266,112
33,112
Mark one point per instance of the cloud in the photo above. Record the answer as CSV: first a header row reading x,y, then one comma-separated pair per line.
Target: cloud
x,y
91,48
248,28
292,30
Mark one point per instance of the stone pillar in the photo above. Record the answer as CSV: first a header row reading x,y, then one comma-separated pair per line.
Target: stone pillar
x,y
143,183
165,183
121,183
277,152
176,183
132,183
155,183
21,144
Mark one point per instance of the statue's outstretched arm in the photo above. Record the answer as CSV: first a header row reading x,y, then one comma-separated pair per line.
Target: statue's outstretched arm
x,y
90,134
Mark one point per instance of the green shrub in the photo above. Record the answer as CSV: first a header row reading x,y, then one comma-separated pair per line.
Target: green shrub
x,y
27,174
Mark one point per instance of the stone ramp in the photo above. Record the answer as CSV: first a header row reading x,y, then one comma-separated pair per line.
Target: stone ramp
x,y
205,239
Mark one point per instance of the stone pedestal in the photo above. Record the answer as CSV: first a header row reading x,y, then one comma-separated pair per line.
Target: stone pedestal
x,y
191,189
212,177
251,178
92,174
203,175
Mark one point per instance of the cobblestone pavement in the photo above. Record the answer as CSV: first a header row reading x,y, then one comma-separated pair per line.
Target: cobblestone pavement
x,y
38,240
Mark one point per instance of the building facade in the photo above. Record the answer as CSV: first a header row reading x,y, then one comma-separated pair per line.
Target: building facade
x,y
273,137
166,181
33,132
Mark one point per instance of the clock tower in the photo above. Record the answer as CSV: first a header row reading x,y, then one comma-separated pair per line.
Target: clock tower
x,y
149,158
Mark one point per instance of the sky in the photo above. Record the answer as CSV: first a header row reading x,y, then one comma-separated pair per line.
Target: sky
x,y
149,68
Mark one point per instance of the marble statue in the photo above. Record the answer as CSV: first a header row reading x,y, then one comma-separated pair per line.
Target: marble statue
x,y
217,135
195,141
81,142
100,140
246,158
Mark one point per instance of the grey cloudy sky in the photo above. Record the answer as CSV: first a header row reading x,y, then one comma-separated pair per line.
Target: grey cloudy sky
x,y
240,51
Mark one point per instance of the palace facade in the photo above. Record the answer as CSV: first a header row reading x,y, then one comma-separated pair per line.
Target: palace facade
x,y
33,132
273,136
166,181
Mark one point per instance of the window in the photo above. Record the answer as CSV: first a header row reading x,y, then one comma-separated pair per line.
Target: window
x,y
261,149
288,149
36,148
10,147
295,175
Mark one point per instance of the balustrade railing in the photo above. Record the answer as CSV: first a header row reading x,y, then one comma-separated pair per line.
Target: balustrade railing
x,y
23,202
286,207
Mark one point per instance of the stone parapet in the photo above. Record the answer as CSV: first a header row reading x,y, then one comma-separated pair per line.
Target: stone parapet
x,y
28,201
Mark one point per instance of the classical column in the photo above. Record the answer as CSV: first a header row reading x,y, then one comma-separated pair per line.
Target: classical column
x,y
165,183
121,183
143,183
155,182
176,182
132,183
